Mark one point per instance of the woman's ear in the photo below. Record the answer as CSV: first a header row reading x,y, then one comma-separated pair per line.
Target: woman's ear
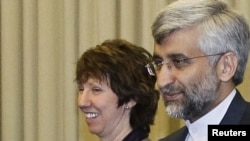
x,y
130,104
227,65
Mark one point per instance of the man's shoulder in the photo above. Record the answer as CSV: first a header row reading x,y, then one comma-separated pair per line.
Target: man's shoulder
x,y
246,116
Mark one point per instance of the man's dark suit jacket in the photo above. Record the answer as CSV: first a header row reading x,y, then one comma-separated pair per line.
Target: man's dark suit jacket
x,y
237,113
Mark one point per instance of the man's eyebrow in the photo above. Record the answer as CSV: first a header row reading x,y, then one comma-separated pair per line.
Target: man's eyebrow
x,y
156,56
172,55
176,55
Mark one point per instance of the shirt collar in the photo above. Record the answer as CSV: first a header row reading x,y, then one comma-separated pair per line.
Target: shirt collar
x,y
198,129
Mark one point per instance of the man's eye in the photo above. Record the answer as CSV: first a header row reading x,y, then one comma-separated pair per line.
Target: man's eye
x,y
157,62
179,63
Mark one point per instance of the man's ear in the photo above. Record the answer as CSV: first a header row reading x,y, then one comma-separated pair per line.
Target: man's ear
x,y
226,66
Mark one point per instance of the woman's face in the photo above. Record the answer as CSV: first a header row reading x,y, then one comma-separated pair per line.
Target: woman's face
x,y
99,105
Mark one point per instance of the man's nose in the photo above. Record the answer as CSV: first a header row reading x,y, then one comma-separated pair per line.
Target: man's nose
x,y
165,76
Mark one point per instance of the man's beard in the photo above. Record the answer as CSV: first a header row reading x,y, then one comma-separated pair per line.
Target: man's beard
x,y
196,97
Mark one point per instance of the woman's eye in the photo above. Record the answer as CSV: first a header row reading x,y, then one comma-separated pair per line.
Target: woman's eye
x,y
80,88
96,89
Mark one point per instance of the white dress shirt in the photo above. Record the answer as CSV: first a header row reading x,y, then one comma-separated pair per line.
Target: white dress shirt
x,y
198,130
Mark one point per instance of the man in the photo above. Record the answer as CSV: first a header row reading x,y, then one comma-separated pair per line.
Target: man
x,y
200,55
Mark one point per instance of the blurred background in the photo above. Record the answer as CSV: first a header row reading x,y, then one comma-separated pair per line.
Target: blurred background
x,y
40,42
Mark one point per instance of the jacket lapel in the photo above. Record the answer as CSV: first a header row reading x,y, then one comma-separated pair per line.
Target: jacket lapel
x,y
235,111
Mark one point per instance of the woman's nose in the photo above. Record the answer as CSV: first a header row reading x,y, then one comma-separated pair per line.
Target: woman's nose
x,y
83,99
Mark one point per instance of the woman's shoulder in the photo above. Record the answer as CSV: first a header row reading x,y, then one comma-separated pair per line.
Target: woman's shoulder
x,y
137,135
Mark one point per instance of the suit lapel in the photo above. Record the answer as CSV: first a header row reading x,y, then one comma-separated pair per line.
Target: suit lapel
x,y
235,110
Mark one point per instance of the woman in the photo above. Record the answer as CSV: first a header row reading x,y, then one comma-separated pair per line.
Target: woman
x,y
116,94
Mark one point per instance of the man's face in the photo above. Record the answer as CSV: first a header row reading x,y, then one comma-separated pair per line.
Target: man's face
x,y
187,86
